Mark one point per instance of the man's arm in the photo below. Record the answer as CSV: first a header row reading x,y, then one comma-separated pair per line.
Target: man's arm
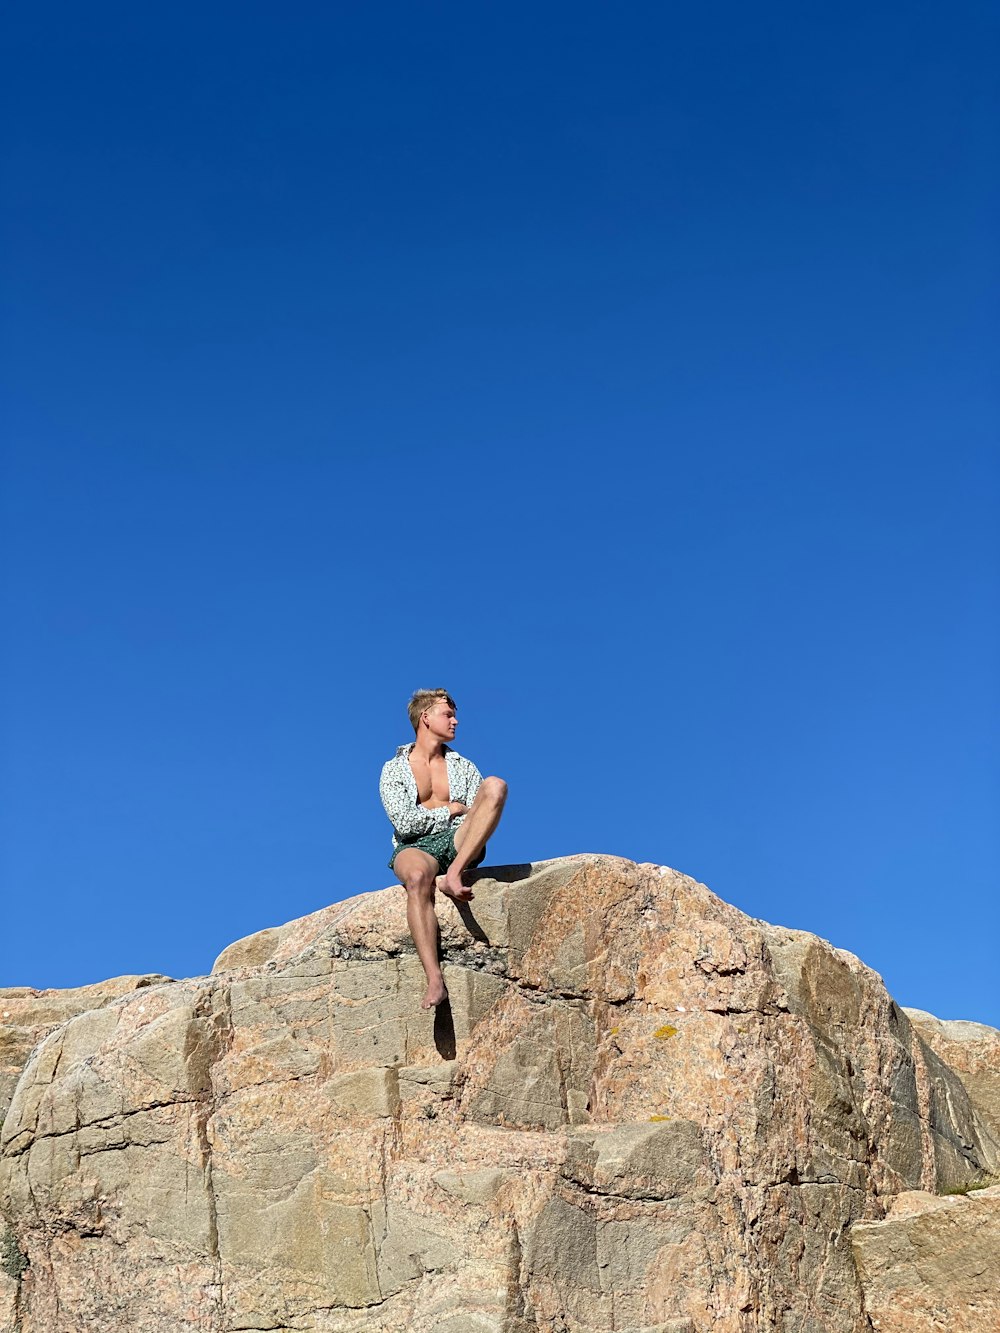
x,y
409,820
473,781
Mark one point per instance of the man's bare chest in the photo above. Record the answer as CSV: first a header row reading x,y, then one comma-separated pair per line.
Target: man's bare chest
x,y
432,780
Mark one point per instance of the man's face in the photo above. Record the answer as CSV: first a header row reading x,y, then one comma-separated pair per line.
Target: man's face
x,y
441,720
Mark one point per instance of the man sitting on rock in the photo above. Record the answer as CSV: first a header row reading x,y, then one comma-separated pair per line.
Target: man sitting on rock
x,y
442,812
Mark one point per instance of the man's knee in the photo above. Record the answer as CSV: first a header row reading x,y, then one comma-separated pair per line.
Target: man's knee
x,y
419,883
494,790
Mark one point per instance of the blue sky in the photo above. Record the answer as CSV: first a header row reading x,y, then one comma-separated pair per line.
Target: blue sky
x,y
629,371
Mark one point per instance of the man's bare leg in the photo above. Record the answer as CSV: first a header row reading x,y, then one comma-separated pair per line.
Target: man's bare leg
x,y
473,834
417,871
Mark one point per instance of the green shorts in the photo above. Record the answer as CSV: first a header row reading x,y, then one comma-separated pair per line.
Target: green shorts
x,y
439,845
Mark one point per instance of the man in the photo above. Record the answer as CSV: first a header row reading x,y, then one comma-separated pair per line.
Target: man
x,y
442,812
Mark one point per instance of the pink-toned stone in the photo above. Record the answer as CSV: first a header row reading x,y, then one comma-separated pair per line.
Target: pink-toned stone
x,y
931,1266
28,1015
972,1050
642,1111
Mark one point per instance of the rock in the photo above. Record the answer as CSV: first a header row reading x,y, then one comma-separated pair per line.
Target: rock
x,y
972,1050
27,1015
641,1111
931,1265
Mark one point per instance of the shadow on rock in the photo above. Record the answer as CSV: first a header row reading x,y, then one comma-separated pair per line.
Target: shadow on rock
x,y
502,874
470,922
444,1031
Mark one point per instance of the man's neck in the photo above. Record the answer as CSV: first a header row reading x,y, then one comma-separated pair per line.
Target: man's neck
x,y
428,746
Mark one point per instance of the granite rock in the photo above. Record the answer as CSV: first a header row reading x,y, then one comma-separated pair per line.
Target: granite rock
x,y
931,1266
972,1050
28,1015
642,1110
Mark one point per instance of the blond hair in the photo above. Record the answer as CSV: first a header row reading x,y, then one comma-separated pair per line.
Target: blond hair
x,y
424,699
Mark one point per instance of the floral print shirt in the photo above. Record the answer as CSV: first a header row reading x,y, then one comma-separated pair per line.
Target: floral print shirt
x,y
398,789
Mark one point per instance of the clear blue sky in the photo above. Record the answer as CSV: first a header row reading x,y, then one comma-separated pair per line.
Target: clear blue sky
x,y
628,370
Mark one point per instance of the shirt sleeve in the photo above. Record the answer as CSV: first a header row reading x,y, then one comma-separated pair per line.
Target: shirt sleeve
x,y
409,820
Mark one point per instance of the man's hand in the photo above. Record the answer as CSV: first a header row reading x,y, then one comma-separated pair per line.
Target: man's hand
x,y
455,808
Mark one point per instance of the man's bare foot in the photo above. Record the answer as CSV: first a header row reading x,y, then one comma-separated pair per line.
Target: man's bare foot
x,y
436,993
453,887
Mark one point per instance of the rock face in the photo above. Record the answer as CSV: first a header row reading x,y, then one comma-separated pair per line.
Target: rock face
x,y
973,1051
642,1112
932,1264
27,1015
